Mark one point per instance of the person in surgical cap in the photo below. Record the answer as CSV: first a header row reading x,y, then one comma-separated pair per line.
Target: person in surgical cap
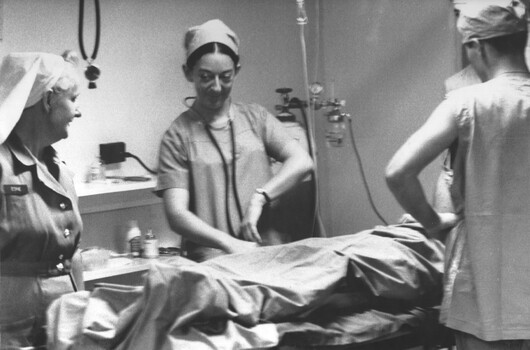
x,y
465,77
214,170
486,278
40,224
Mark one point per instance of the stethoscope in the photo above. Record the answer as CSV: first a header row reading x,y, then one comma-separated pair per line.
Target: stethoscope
x,y
226,172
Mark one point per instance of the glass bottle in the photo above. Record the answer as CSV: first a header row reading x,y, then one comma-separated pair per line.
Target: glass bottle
x,y
134,239
96,171
335,129
150,245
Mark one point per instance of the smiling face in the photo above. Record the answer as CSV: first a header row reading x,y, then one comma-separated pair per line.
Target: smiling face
x,y
63,109
213,76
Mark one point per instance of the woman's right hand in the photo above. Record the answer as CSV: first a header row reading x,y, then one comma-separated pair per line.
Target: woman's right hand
x,y
249,226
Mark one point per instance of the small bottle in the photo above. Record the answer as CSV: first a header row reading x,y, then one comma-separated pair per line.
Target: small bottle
x,y
335,128
150,245
134,238
96,171
335,133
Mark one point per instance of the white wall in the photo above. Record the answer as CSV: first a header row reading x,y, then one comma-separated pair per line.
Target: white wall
x,y
141,87
387,58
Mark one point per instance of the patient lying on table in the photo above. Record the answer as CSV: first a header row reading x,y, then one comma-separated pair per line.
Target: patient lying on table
x,y
257,299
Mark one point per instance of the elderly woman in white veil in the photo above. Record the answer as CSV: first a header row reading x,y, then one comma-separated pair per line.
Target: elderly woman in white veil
x,y
40,224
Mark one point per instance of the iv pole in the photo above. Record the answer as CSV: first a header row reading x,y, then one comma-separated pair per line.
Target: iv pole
x,y
301,20
335,115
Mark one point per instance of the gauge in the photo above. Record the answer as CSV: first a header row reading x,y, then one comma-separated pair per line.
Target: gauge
x,y
316,88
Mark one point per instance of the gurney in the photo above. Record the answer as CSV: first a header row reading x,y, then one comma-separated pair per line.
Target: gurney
x,y
417,328
324,293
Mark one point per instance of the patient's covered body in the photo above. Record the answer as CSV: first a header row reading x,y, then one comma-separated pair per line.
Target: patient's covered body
x,y
255,299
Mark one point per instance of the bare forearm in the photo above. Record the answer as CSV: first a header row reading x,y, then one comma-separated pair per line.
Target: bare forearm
x,y
296,165
196,230
411,196
292,171
427,143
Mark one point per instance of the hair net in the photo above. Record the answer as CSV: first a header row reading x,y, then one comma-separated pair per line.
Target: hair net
x,y
25,77
482,20
489,2
212,31
520,6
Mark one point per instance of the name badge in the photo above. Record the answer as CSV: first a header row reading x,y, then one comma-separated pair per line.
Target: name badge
x,y
15,190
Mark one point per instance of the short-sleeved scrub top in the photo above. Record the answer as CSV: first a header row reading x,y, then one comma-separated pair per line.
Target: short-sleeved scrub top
x,y
40,227
487,287
189,160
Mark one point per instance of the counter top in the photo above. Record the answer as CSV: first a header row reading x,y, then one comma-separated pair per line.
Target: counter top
x,y
121,266
113,194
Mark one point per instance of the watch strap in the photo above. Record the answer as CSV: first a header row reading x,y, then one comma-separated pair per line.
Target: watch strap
x,y
264,194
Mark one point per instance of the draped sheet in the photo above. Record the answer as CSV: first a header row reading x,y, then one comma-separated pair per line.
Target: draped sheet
x,y
319,290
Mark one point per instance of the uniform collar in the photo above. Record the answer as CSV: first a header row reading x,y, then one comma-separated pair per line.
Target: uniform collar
x,y
48,171
197,117
24,156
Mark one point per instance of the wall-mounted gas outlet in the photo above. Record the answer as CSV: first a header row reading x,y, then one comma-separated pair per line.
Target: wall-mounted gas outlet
x,y
113,152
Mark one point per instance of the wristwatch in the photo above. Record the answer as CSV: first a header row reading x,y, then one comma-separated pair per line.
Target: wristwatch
x,y
264,194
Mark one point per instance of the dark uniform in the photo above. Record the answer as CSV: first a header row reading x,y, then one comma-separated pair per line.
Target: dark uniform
x,y
40,228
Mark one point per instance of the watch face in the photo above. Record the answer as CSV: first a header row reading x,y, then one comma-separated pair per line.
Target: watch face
x,y
316,88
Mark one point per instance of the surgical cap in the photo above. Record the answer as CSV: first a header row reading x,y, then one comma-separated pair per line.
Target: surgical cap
x,y
519,6
212,31
25,78
482,20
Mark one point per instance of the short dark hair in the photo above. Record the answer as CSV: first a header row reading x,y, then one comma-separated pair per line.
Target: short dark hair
x,y
211,48
509,44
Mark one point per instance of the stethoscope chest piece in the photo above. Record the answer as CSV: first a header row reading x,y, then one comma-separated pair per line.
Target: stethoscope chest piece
x,y
92,73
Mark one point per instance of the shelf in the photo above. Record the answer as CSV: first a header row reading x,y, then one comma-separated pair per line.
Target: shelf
x,y
84,189
106,196
121,266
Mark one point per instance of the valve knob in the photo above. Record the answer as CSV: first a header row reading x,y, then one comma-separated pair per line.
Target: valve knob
x,y
284,90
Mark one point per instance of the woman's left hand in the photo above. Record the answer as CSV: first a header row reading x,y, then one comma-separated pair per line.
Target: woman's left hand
x,y
249,227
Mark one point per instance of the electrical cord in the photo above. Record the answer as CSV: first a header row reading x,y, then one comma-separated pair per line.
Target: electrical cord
x,y
130,155
363,175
